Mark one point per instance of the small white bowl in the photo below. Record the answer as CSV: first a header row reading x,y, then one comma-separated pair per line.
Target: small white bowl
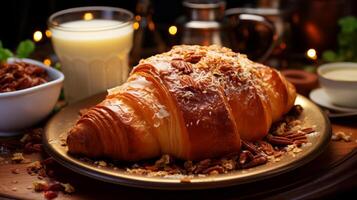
x,y
24,108
340,92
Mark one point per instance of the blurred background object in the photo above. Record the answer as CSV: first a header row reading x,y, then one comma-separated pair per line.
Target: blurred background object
x,y
314,23
347,39
304,29
202,23
304,81
147,39
250,32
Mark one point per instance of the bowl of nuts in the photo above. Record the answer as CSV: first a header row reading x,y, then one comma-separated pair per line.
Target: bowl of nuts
x,y
29,91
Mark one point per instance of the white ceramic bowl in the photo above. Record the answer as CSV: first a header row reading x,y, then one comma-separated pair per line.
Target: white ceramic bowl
x,y
23,108
340,92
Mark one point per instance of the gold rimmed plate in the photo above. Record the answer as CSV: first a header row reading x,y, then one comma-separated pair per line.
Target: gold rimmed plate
x,y
57,128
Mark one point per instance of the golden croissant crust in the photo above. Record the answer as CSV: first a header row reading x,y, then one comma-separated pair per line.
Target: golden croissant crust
x,y
192,102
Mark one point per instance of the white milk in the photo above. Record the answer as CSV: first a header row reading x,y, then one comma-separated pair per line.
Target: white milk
x,y
343,74
93,60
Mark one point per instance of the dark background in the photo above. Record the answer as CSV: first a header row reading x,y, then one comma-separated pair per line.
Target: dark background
x,y
19,19
316,26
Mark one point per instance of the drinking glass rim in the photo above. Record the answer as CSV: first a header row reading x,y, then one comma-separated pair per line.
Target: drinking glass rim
x,y
52,25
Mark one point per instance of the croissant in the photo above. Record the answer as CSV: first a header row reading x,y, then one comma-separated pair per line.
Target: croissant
x,y
192,102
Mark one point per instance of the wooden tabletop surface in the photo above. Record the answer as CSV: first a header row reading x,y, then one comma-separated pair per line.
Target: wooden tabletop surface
x,y
332,173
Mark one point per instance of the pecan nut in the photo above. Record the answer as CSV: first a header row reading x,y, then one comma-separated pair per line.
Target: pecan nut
x,y
216,168
20,75
245,156
182,66
193,58
279,140
266,147
257,160
251,147
308,130
225,68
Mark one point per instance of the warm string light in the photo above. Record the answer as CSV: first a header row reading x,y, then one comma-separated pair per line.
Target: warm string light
x,y
88,16
48,33
137,17
47,62
37,36
136,25
311,53
151,26
172,30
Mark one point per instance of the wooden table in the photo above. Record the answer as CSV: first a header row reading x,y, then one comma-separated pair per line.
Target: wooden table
x,y
332,173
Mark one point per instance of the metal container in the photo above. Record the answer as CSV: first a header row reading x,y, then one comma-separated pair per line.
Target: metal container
x,y
203,23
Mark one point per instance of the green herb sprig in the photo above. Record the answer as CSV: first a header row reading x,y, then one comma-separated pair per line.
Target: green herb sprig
x,y
347,40
23,50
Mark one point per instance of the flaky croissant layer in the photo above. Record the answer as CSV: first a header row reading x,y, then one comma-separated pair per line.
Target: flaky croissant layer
x,y
192,102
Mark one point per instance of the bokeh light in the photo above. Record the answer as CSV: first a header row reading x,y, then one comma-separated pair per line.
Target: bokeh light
x,y
37,36
88,16
311,53
172,30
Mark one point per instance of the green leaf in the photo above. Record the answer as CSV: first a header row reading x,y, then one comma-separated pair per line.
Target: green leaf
x,y
0,44
25,48
329,56
5,54
347,40
348,24
57,66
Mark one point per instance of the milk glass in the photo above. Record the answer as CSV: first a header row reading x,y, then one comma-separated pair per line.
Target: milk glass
x,y
93,45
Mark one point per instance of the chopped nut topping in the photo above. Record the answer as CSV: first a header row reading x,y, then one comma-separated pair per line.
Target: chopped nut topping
x,y
101,163
163,161
213,170
341,136
297,150
17,157
192,58
281,129
39,185
187,81
34,167
68,188
225,68
20,75
182,66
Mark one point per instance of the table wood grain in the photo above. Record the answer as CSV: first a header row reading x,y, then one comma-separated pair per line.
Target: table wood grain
x,y
334,171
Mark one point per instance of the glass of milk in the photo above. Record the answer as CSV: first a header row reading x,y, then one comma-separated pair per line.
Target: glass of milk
x,y
93,45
